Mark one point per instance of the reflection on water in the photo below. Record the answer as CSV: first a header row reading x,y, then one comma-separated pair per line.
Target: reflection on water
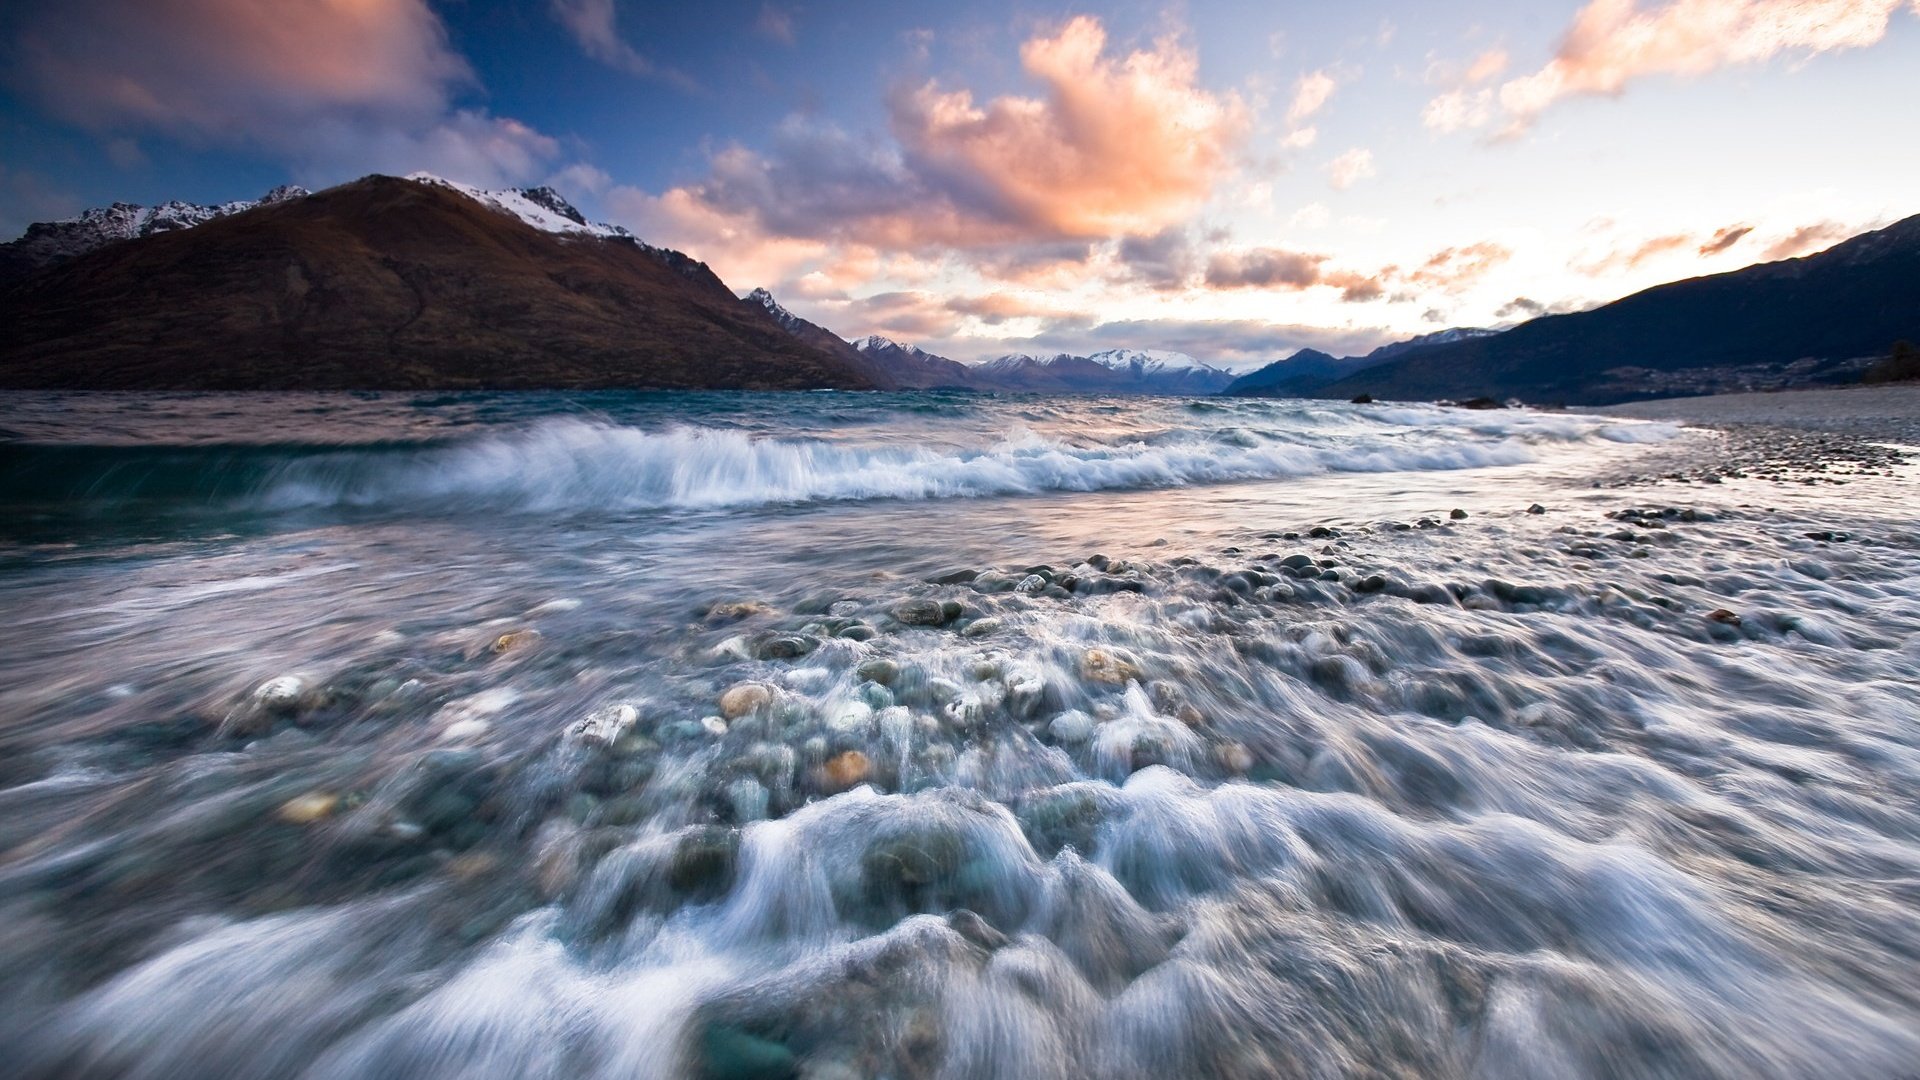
x,y
930,735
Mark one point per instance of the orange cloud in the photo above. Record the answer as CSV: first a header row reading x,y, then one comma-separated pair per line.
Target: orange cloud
x,y
327,85
1808,238
1117,145
1455,268
1614,42
1724,239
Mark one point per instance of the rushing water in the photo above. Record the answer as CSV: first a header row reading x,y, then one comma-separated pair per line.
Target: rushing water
x,y
942,736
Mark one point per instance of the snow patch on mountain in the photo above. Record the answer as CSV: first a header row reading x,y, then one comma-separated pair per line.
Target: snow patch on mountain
x,y
541,207
1152,362
47,242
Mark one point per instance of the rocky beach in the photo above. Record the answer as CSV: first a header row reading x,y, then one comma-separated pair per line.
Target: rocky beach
x,y
590,736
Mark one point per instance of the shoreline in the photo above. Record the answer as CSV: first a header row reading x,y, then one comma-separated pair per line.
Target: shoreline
x,y
1886,413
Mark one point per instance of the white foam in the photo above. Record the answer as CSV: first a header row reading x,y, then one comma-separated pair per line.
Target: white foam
x,y
582,465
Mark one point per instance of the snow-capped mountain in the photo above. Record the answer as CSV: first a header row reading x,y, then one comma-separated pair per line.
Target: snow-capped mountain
x,y
541,207
774,308
48,242
387,282
1149,361
912,366
1114,371
1438,337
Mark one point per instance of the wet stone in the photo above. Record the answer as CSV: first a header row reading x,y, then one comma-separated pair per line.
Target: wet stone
x,y
921,611
743,698
786,647
704,863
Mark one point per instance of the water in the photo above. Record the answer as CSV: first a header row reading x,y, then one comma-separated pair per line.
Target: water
x,y
628,735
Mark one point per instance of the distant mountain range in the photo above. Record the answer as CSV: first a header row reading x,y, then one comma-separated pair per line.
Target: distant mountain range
x,y
1308,370
421,282
1820,318
383,283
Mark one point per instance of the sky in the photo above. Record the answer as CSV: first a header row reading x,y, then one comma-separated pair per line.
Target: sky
x,y
1233,180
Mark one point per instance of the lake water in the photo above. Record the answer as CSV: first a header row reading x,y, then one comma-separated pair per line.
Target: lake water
x,y
931,735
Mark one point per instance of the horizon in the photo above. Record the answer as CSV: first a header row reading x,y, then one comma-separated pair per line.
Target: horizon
x,y
1228,184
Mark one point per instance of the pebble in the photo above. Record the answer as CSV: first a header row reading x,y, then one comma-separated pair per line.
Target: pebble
x,y
1536,508
882,671
604,727
1030,584
743,698
280,694
307,809
979,628
845,770
1723,617
514,641
1457,514
786,647
1234,757
1103,667
921,611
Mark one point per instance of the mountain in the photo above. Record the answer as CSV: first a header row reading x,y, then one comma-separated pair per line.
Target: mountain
x,y
910,365
1115,371
1819,318
1307,371
49,242
1156,371
1055,373
1439,337
819,337
395,283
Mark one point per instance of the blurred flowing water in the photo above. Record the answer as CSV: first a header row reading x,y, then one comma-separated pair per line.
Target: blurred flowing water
x,y
928,735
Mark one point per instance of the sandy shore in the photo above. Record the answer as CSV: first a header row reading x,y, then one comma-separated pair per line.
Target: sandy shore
x,y
1888,413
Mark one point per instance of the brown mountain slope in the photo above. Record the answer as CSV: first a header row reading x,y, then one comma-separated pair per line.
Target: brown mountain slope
x,y
390,283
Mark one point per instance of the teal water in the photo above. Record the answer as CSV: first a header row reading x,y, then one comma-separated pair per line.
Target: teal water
x,y
941,735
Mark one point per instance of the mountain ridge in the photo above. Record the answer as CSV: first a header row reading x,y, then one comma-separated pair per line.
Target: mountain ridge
x,y
1816,318
392,283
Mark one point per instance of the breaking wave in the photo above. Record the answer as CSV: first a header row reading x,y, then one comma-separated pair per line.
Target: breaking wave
x,y
569,464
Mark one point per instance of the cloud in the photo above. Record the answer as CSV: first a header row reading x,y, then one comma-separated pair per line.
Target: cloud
x,y
1264,268
1458,109
1486,66
1455,268
1350,168
1450,270
1724,239
1523,308
1809,238
322,85
1463,106
1636,254
593,26
1118,145
775,24
1115,146
1613,43
1310,94
1632,257
996,308
1165,261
